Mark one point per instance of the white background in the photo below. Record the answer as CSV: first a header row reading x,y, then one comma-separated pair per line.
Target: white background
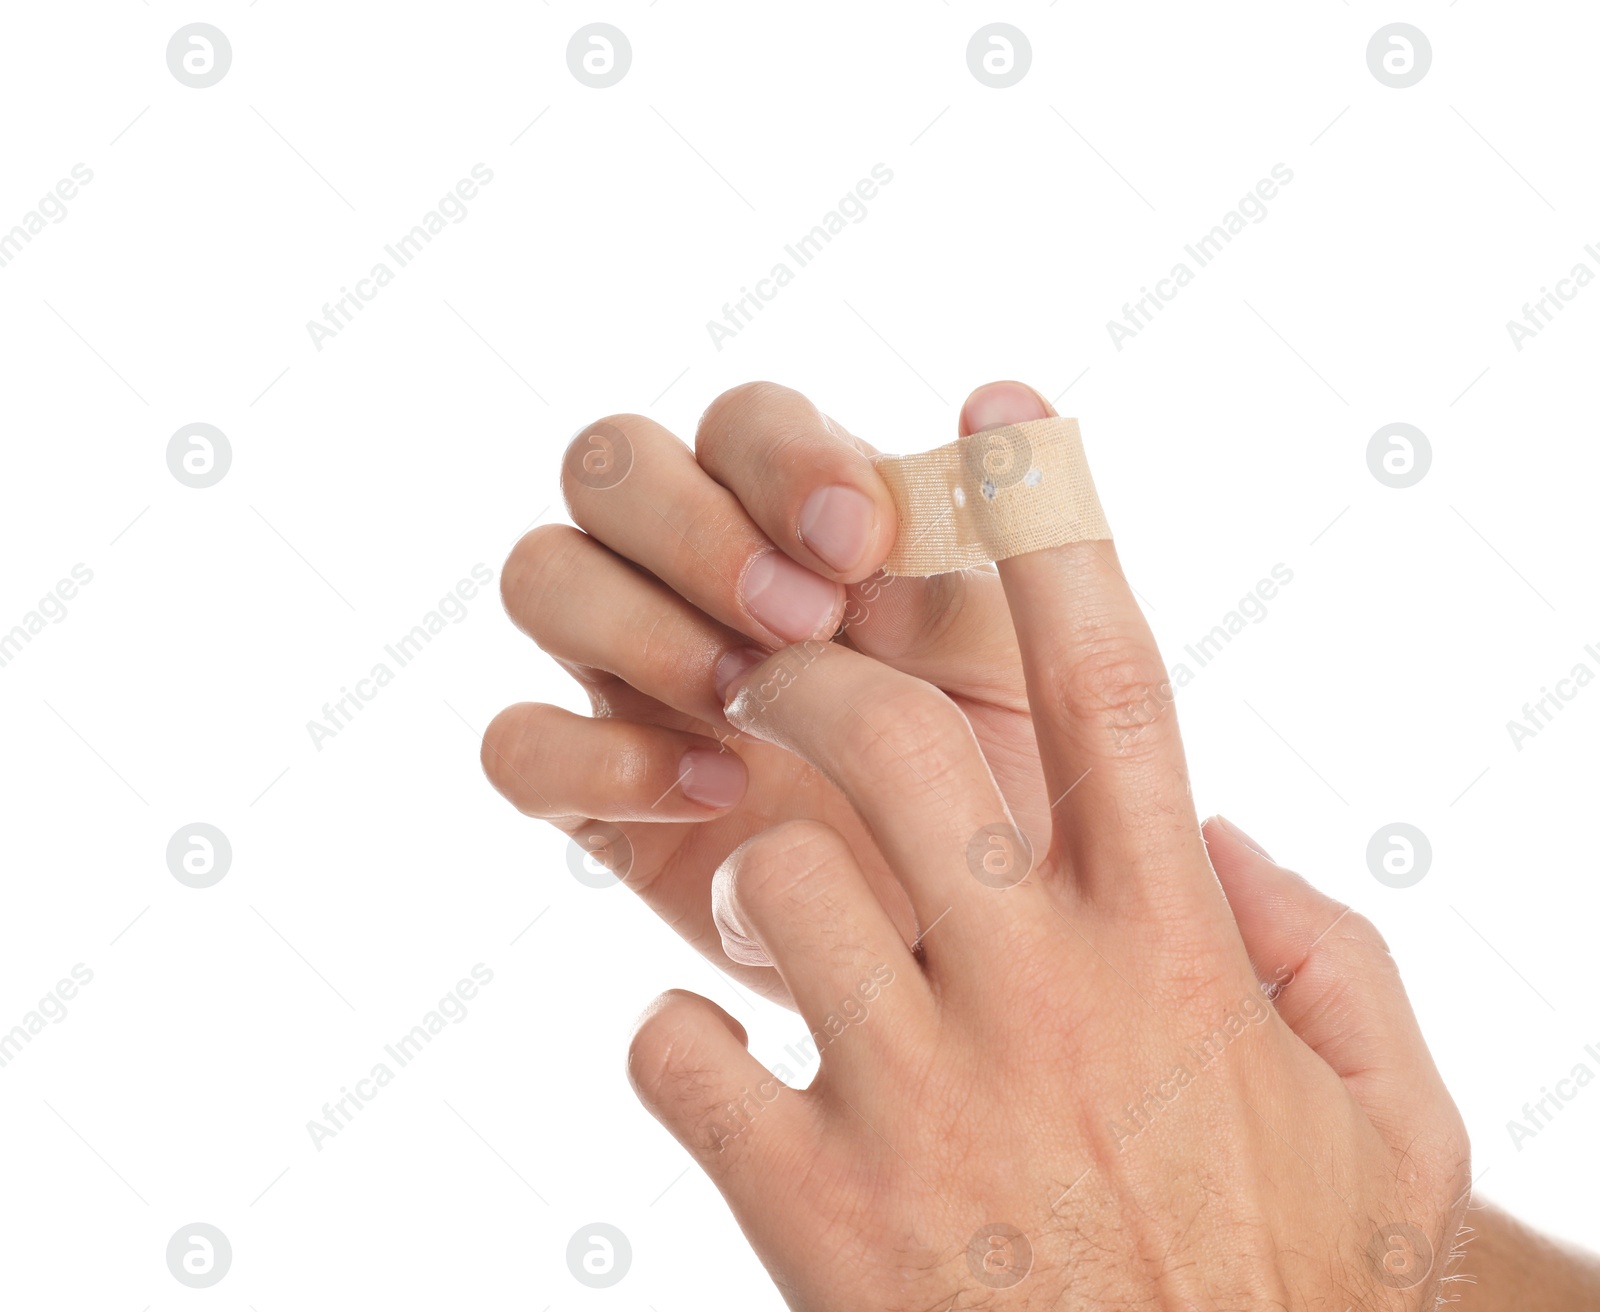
x,y
369,476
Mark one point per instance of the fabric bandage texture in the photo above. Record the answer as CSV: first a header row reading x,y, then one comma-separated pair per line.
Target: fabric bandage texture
x,y
990,496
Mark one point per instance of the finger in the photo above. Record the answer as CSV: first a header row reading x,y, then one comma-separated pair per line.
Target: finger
x,y
550,763
690,1066
905,757
1102,706
811,487
673,872
1332,979
954,630
667,865
660,510
808,485
794,897
588,607
658,863
613,698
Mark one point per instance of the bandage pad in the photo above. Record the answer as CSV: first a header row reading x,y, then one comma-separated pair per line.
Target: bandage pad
x,y
990,496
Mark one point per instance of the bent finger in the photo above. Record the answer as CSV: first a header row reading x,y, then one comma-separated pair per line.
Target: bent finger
x,y
690,1066
1332,978
807,483
793,896
550,763
668,516
589,607
906,758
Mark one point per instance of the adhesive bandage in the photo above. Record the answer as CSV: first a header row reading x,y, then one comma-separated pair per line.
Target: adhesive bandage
x,y
990,496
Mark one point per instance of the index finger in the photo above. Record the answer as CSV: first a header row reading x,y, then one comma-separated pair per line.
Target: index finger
x,y
814,490
806,482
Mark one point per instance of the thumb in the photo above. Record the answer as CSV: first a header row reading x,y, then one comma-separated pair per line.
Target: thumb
x,y
1331,978
995,405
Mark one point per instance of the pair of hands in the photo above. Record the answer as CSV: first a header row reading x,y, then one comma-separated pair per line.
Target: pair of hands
x,y
1077,1048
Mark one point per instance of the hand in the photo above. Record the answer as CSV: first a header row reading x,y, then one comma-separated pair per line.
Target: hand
x,y
681,587
777,453
1119,1077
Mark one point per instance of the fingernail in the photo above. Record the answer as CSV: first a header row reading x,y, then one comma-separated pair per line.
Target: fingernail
x,y
1244,838
732,665
712,778
788,598
836,523
998,404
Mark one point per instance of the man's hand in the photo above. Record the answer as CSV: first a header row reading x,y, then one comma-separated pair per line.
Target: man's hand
x,y
1110,1074
688,571
698,573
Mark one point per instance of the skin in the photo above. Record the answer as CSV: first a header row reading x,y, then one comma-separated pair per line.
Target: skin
x,y
1076,1049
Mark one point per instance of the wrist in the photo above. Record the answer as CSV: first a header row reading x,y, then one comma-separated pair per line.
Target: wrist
x,y
1508,1267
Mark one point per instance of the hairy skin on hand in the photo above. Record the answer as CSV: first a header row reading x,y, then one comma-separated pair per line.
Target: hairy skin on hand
x,y
1153,1069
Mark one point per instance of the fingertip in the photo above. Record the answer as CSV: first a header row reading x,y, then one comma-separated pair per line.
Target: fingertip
x,y
995,405
738,943
1240,836
790,601
676,1009
848,530
756,688
713,777
675,1036
498,746
1271,904
802,477
1223,837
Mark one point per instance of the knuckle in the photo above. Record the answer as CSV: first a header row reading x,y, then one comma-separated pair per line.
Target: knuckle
x,y
539,566
1361,940
510,745
712,538
656,1047
1356,926
735,410
1119,683
785,865
666,1059
599,457
1345,958
771,430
